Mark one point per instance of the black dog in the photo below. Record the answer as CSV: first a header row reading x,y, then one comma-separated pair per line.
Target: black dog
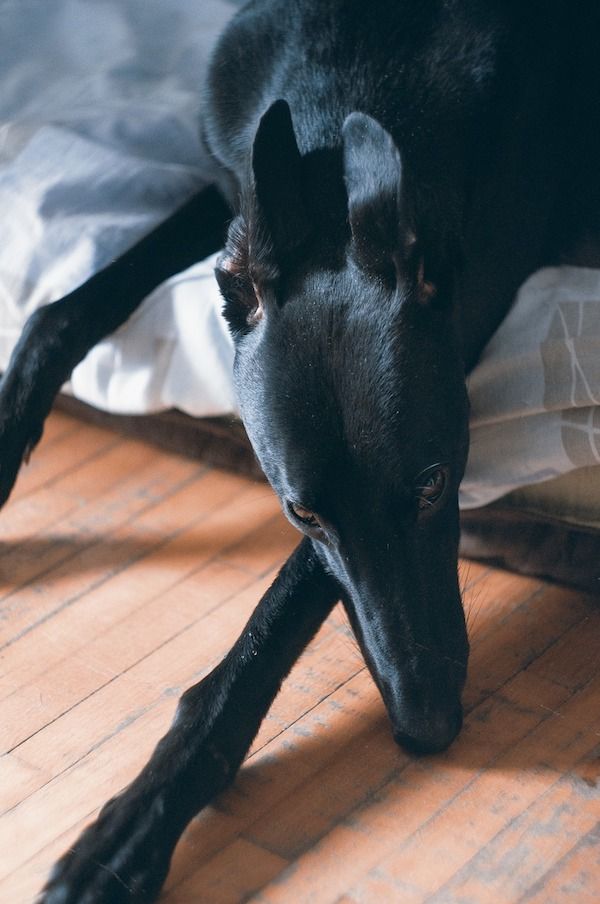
x,y
396,170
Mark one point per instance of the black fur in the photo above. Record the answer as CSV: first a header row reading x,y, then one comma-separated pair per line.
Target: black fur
x,y
396,169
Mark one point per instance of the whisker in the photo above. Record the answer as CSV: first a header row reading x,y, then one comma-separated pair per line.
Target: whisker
x,y
473,611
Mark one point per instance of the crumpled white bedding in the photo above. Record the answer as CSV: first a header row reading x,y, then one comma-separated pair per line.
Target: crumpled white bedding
x,y
99,142
535,393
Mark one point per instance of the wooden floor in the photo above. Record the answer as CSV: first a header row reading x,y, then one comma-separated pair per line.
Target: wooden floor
x,y
126,573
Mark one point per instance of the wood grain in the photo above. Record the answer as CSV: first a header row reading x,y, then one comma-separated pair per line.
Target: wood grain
x,y
126,573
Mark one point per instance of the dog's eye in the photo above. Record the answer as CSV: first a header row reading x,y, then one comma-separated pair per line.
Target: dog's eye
x,y
303,515
430,486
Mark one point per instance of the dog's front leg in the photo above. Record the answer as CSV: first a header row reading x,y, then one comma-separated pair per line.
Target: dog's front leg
x,y
124,856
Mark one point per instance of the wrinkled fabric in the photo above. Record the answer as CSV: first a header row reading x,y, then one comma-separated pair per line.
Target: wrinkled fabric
x,y
535,393
99,142
174,352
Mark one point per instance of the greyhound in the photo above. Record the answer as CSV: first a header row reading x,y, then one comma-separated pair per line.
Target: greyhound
x,y
392,172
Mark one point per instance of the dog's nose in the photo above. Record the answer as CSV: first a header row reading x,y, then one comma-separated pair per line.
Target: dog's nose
x,y
430,734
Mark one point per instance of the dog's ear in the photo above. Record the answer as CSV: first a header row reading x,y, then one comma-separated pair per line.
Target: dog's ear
x,y
271,227
276,166
383,240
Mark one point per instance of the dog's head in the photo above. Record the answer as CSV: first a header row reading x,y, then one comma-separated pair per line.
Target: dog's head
x,y
351,388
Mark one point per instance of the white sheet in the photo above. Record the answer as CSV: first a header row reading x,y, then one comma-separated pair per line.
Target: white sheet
x,y
535,394
98,142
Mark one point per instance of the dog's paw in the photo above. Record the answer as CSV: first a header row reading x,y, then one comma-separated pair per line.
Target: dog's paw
x,y
21,428
122,858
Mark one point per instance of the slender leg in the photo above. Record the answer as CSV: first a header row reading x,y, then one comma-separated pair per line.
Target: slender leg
x,y
59,335
124,856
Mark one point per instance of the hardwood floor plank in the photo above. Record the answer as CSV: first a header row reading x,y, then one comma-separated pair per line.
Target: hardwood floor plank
x,y
574,877
400,810
523,632
125,575
145,594
66,453
506,868
487,810
223,882
70,526
163,541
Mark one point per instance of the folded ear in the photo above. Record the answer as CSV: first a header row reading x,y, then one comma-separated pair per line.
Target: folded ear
x,y
383,240
276,166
